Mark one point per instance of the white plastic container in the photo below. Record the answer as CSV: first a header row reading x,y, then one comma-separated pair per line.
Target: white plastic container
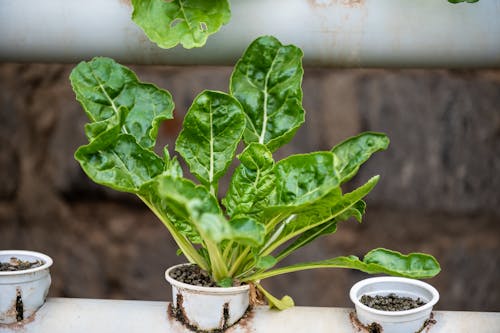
x,y
208,308
23,292
408,321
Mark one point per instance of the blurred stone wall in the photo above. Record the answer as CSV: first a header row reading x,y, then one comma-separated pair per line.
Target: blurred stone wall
x,y
439,192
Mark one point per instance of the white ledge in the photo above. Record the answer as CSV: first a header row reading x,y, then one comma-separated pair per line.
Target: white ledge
x,y
63,315
368,33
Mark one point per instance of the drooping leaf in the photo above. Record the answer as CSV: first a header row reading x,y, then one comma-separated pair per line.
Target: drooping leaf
x,y
188,22
413,265
267,82
103,86
281,304
252,182
118,162
211,131
353,152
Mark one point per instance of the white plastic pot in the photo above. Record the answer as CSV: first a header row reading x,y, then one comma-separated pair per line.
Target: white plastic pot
x,y
394,321
208,308
23,292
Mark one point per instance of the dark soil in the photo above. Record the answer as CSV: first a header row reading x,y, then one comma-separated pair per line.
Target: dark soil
x,y
193,275
18,265
391,302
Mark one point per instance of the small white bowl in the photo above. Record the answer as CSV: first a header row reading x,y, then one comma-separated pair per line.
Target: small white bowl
x,y
28,287
394,321
209,308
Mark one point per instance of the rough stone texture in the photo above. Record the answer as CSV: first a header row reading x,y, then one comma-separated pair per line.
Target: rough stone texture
x,y
445,130
439,192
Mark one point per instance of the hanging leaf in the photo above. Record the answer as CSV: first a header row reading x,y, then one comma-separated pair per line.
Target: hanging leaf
x,y
351,153
188,22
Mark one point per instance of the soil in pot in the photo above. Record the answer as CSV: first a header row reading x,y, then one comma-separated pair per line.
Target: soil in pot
x,y
16,264
391,302
193,275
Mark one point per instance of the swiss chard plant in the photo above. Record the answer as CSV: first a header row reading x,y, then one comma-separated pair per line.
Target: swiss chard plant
x,y
271,208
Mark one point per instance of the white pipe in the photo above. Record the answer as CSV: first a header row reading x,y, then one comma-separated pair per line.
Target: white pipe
x,y
367,33
63,315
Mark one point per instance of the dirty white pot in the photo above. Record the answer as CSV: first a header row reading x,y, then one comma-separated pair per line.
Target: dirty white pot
x,y
208,308
394,321
23,292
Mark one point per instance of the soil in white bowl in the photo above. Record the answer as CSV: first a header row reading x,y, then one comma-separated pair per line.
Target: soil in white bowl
x,y
391,302
193,275
16,264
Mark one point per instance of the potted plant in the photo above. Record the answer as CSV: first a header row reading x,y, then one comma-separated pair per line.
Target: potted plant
x,y
271,208
24,284
393,304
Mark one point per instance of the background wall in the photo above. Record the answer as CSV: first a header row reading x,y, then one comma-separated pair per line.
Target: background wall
x,y
439,192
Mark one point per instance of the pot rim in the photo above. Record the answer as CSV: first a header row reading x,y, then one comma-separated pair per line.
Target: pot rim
x,y
353,294
47,261
208,290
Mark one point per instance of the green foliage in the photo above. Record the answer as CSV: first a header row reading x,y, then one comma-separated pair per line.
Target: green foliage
x,y
188,22
271,208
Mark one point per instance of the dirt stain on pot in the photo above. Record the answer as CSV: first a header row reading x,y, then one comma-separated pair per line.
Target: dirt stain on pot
x,y
428,324
245,323
19,306
225,317
372,328
178,313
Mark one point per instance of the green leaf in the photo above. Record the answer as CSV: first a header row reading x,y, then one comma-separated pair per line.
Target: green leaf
x,y
319,213
301,179
188,22
265,262
353,152
103,86
280,304
117,161
413,265
200,208
210,135
267,82
247,231
252,183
